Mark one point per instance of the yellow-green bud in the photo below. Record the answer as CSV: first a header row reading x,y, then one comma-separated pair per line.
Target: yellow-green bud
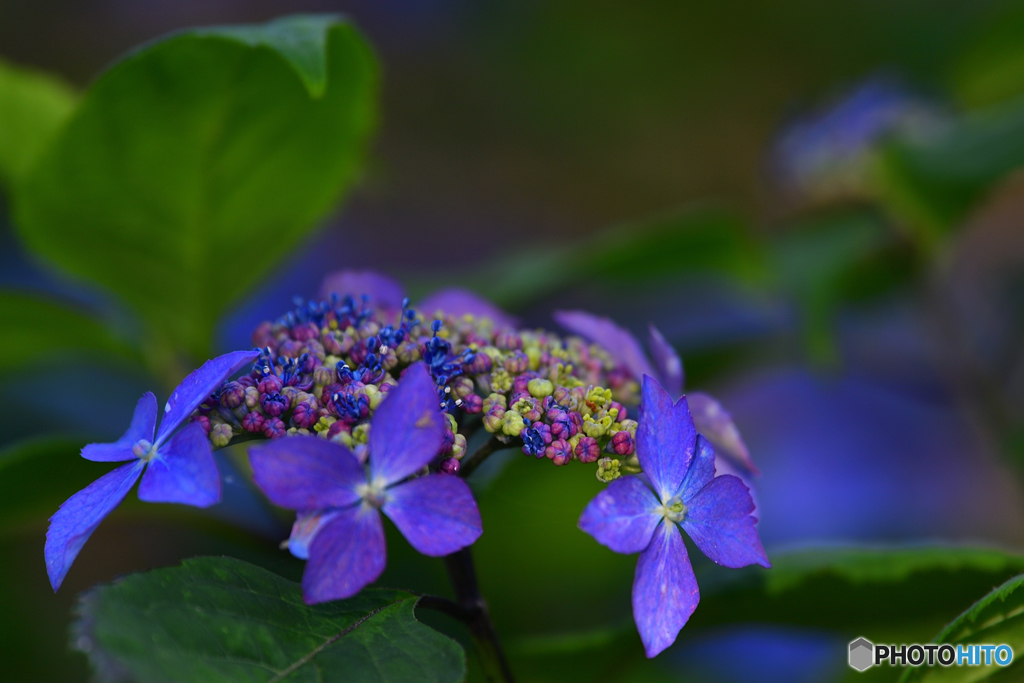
x,y
459,447
501,381
220,435
539,388
608,470
533,353
323,425
597,428
512,423
360,433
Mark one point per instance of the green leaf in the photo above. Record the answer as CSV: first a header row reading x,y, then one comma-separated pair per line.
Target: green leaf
x,y
195,163
932,184
856,590
35,327
33,105
219,619
998,619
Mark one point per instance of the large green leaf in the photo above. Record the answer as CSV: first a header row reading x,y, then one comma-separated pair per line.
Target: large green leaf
x,y
195,163
217,619
36,328
997,619
32,106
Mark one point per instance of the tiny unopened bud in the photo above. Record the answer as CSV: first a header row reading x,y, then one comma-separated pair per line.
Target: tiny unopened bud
x,y
587,450
252,397
274,428
220,435
622,443
608,470
253,422
449,466
271,385
540,388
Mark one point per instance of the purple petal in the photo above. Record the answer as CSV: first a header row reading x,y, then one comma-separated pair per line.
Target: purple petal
x,y
620,343
345,556
407,430
183,471
142,427
664,590
306,473
702,469
382,290
714,422
435,513
307,525
665,438
198,386
78,517
459,302
670,366
622,516
718,520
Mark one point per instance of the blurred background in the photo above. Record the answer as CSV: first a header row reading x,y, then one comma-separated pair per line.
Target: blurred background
x,y
819,204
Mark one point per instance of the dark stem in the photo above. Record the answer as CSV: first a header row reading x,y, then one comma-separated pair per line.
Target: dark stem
x,y
462,574
481,454
446,606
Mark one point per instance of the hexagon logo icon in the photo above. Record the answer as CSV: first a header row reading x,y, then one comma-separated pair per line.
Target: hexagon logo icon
x,y
862,654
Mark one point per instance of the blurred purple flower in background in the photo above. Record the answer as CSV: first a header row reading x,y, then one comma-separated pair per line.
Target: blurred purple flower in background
x,y
630,517
339,529
180,464
712,420
827,154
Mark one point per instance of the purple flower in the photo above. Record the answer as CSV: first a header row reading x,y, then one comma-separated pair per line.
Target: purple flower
x,y
338,527
712,420
178,464
629,516
385,293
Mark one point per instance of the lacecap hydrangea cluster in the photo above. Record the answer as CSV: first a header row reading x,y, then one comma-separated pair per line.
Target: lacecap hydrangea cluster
x,y
379,402
325,367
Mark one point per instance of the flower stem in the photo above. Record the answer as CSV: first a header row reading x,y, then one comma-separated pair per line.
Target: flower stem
x,y
472,462
462,574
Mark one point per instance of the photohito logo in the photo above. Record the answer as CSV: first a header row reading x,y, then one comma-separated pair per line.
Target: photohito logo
x,y
864,654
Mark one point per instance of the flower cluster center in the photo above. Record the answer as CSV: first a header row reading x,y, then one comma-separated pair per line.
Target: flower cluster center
x,y
674,510
373,494
144,450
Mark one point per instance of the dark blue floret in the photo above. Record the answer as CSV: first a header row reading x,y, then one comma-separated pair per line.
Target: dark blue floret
x,y
533,442
443,366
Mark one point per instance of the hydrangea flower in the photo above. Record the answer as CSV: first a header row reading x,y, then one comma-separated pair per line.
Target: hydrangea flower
x,y
178,464
643,514
712,420
339,527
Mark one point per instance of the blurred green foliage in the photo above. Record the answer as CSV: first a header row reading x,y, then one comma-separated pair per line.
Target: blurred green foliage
x,y
37,327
